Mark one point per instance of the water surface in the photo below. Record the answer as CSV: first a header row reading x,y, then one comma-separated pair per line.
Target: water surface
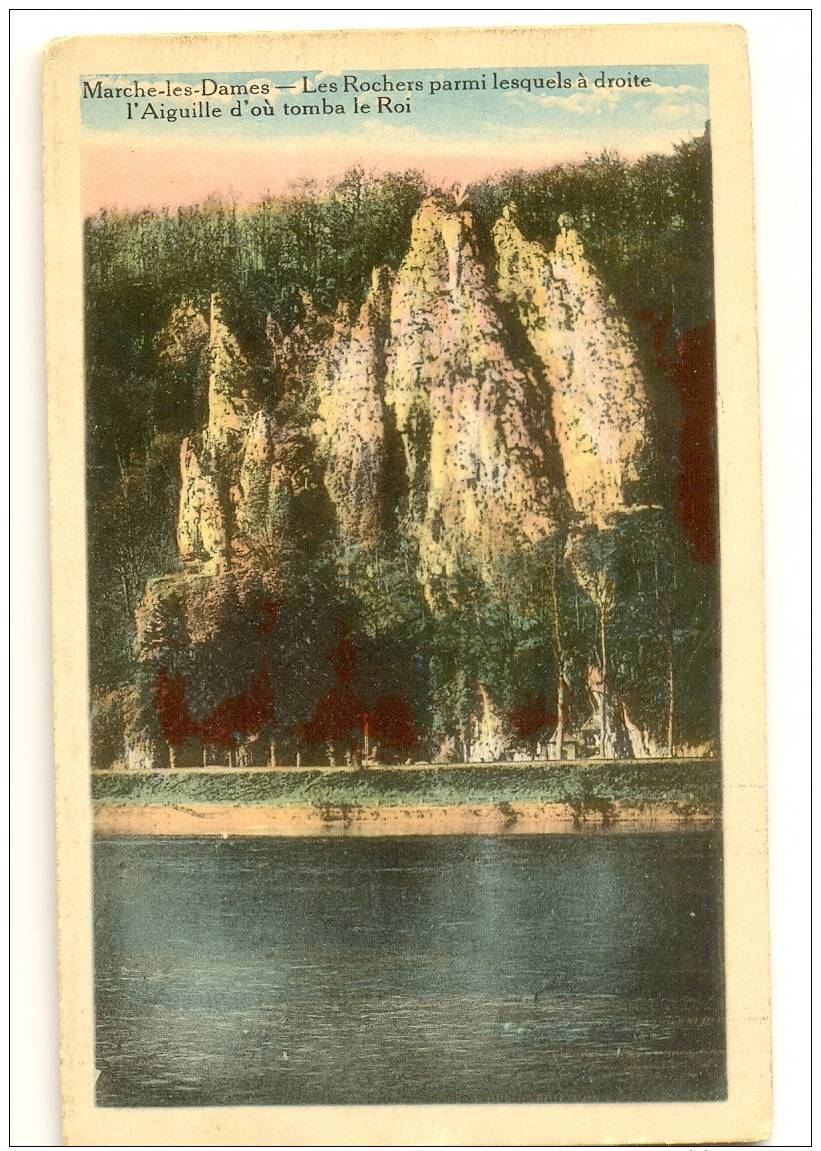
x,y
409,970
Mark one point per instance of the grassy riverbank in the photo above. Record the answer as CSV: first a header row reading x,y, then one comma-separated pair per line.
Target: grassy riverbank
x,y
685,784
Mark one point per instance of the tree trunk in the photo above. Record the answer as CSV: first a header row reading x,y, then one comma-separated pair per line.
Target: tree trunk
x,y
560,703
141,756
464,738
172,756
272,753
671,667
559,654
671,696
126,596
603,721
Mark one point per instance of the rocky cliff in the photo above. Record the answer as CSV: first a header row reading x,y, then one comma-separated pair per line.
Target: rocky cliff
x,y
482,467
476,409
588,356
351,418
495,453
202,535
232,485
230,406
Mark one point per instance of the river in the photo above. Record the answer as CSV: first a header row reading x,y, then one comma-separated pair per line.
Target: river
x,y
453,969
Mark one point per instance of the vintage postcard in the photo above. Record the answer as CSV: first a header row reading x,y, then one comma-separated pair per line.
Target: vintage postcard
x,y
407,588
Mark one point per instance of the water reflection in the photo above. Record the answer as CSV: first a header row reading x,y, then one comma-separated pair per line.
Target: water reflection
x,y
408,969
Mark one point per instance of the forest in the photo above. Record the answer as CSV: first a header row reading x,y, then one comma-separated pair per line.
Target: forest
x,y
327,648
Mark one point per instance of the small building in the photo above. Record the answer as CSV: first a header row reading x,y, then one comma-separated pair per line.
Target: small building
x,y
581,743
570,748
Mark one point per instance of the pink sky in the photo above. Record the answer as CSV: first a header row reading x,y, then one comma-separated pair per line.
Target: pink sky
x,y
126,174
131,173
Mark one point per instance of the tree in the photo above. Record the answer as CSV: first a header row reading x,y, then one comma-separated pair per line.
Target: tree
x,y
635,593
592,556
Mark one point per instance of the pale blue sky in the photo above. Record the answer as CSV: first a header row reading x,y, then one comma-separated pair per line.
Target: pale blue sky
x,y
450,135
677,96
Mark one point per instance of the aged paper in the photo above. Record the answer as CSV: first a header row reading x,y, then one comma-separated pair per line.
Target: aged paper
x,y
407,588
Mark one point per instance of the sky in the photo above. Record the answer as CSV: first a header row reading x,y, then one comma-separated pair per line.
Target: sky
x,y
140,151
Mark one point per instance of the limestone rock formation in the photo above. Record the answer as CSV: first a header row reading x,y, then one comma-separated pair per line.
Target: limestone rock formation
x,y
481,464
234,491
230,404
599,404
201,528
350,426
253,490
295,355
185,334
492,739
493,416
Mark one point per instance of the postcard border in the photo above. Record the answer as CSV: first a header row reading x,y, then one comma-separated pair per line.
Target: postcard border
x,y
745,1115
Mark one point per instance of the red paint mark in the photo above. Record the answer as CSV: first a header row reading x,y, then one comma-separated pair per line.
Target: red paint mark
x,y
691,369
270,610
393,723
234,718
693,376
337,714
529,718
344,657
172,708
341,710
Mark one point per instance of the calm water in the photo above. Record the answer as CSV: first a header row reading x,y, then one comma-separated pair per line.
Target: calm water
x,y
449,969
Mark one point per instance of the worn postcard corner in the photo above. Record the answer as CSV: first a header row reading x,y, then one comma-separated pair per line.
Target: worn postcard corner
x,y
408,620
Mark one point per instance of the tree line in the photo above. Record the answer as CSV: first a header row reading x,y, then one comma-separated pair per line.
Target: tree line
x,y
353,643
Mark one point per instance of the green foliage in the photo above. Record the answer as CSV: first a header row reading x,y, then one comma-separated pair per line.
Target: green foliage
x,y
647,225
124,721
658,606
281,267
392,621
693,782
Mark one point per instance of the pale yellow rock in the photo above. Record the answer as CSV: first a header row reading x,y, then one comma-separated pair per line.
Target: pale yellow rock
x,y
474,423
201,528
491,739
230,404
599,403
350,425
185,333
255,480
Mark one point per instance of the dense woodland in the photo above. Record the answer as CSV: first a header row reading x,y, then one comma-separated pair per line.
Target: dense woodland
x,y
353,636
